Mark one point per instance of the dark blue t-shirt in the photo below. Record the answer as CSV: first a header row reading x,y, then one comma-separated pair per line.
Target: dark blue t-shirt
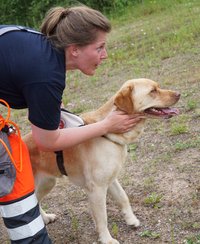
x,y
32,75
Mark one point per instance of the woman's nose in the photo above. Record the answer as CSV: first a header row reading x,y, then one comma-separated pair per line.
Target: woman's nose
x,y
104,54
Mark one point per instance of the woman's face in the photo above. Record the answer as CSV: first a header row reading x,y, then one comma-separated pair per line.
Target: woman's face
x,y
88,58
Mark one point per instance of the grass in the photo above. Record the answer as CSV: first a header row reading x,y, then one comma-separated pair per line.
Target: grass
x,y
192,239
115,230
191,105
150,234
177,129
153,200
180,146
154,35
74,227
132,149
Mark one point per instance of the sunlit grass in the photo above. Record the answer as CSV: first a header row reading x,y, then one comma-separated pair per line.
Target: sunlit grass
x,y
147,40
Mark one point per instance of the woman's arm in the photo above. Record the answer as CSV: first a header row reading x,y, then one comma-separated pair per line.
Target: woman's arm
x,y
54,140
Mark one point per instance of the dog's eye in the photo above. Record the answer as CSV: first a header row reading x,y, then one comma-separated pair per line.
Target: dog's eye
x,y
153,90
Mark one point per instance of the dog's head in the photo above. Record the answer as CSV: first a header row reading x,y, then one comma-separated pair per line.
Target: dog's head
x,y
145,97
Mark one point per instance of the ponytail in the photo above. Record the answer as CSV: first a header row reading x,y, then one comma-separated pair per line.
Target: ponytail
x,y
75,25
51,20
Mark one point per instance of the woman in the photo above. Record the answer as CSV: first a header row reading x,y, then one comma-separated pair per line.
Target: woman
x,y
32,75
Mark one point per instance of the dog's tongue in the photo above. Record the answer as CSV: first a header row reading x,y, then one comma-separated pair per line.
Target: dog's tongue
x,y
171,111
162,112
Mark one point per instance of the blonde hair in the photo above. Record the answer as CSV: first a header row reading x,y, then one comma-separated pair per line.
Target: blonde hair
x,y
75,25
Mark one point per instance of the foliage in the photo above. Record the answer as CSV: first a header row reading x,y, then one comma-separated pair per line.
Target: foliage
x,y
23,12
31,12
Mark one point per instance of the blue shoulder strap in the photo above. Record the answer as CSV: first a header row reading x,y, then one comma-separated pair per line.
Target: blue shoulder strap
x,y
17,28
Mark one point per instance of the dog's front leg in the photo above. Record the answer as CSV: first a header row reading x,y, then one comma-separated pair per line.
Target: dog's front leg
x,y
43,185
97,201
122,200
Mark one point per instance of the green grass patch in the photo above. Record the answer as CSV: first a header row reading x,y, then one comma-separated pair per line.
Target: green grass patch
x,y
153,200
191,105
195,239
150,234
179,145
177,129
115,230
132,150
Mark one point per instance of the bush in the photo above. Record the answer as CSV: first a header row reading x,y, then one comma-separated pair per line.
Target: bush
x,y
31,12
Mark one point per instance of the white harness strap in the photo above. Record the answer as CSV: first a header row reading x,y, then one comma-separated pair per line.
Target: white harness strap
x,y
68,119
16,28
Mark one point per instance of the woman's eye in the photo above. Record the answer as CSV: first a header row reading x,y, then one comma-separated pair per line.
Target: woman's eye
x,y
99,49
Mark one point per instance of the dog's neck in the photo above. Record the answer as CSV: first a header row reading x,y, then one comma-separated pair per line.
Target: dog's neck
x,y
102,112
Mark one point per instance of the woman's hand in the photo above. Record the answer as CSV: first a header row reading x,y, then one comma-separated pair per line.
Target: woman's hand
x,y
54,140
120,122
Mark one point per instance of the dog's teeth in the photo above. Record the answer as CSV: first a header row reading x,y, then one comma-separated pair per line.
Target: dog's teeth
x,y
156,110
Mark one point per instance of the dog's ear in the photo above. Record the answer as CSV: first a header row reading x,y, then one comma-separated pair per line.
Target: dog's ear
x,y
124,100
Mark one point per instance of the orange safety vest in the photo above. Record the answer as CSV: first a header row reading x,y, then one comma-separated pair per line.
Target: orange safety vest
x,y
24,183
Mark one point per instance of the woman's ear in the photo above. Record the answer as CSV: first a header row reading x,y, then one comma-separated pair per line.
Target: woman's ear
x,y
73,50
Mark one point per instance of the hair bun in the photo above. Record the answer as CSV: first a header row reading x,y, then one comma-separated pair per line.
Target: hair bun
x,y
64,13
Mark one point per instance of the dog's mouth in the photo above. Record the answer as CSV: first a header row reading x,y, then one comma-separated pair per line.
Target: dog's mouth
x,y
162,112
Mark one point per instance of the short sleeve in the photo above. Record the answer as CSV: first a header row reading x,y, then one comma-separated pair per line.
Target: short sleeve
x,y
43,102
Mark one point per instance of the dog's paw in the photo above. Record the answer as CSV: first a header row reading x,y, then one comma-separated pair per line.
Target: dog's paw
x,y
110,241
133,221
113,241
48,218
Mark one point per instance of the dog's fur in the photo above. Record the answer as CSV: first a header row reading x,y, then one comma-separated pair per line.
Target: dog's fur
x,y
95,164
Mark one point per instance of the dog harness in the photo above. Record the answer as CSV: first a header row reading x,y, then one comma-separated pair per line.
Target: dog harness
x,y
60,162
67,120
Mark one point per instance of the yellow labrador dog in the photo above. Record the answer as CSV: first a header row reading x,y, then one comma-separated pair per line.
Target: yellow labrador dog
x,y
95,164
